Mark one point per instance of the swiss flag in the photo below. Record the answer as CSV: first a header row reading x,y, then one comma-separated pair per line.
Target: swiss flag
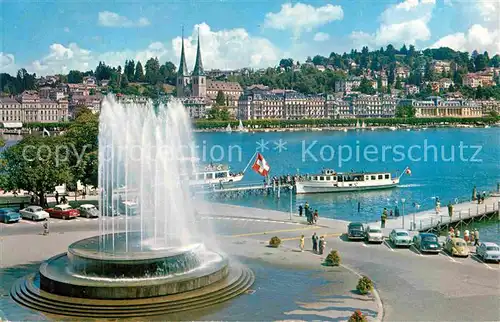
x,y
260,165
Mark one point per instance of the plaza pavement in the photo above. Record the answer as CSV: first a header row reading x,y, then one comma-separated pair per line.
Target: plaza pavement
x,y
412,286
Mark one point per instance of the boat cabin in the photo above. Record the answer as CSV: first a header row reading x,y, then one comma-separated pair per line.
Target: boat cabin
x,y
331,175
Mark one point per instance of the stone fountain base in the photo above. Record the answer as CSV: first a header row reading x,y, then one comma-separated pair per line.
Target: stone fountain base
x,y
86,282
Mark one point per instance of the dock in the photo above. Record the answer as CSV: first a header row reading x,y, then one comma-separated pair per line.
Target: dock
x,y
245,188
430,221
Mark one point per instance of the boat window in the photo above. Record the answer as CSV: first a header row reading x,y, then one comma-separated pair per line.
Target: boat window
x,y
334,178
209,176
373,178
321,178
221,174
367,178
328,178
200,176
387,176
379,176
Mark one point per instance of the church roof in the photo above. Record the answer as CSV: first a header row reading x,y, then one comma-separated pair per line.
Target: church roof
x,y
183,71
198,65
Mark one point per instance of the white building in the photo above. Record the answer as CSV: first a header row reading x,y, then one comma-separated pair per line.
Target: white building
x,y
28,107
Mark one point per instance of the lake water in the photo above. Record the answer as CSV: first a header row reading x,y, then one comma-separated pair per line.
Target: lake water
x,y
445,163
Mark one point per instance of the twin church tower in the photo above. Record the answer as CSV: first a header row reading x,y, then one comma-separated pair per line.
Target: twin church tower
x,y
194,85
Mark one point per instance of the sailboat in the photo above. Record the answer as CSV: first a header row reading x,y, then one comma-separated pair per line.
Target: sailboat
x,y
363,126
228,128
241,128
357,124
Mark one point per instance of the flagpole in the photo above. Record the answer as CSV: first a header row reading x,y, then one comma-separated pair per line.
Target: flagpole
x,y
251,159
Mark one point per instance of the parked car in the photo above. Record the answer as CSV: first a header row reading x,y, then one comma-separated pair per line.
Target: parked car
x,y
374,234
63,212
355,230
457,247
128,207
488,252
88,211
400,237
34,213
427,243
9,215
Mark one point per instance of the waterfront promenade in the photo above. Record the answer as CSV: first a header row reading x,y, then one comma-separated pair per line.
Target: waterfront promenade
x,y
430,220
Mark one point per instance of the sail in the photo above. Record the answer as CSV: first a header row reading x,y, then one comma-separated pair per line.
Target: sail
x,y
363,125
357,123
240,126
228,128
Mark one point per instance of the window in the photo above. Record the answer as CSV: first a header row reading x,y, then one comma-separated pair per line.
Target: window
x,y
387,176
373,178
209,176
379,176
321,178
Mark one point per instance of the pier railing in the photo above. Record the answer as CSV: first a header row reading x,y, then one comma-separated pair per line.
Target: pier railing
x,y
476,212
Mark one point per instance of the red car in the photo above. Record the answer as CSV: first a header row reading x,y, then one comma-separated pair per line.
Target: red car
x,y
63,212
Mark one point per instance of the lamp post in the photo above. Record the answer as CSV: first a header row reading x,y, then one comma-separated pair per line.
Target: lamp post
x,y
291,195
403,200
417,207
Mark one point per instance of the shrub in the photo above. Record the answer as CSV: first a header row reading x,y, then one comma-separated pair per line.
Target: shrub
x,y
365,285
275,242
333,259
357,316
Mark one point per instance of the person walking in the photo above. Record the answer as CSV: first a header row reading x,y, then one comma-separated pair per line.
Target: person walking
x,y
383,217
315,243
315,216
466,236
471,236
301,245
457,233
57,197
322,244
390,213
476,237
46,227
300,210
438,206
396,211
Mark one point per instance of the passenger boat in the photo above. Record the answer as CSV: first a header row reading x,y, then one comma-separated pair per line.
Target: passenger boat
x,y
332,181
214,174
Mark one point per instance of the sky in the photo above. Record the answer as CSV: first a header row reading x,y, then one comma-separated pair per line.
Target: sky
x,y
48,36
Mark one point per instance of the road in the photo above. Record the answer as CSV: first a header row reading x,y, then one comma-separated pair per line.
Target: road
x,y
412,286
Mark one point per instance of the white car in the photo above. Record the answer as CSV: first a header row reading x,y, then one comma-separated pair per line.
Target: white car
x,y
373,234
34,213
488,252
400,237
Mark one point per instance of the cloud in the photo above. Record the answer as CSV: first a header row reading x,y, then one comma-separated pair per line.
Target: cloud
x,y
112,19
321,36
482,35
302,17
221,49
7,63
405,22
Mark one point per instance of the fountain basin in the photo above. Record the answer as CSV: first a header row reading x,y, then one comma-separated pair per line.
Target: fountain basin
x,y
84,272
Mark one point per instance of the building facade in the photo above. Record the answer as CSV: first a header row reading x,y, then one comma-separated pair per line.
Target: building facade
x,y
28,107
373,106
437,107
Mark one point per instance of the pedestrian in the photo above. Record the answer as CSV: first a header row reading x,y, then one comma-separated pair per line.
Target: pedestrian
x,y
301,243
322,244
483,197
46,227
300,210
471,236
466,236
474,193
450,209
438,206
57,197
396,211
476,237
478,198
390,213
383,217
315,217
315,243
457,233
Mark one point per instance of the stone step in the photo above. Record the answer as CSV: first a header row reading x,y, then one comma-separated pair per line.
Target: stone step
x,y
27,294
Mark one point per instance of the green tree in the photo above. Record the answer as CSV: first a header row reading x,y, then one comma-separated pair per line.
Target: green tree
x,y
75,77
220,99
152,71
405,111
124,82
286,62
128,69
220,113
398,84
366,86
168,73
139,72
36,164
480,62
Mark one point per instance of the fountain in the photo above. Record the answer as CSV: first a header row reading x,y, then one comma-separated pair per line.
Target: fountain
x,y
154,262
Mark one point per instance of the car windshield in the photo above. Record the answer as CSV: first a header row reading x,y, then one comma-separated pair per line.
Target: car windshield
x,y
401,233
355,227
63,208
89,207
37,209
375,230
430,239
459,244
494,248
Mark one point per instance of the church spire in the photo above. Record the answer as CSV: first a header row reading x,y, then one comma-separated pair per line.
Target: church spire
x,y
198,66
183,71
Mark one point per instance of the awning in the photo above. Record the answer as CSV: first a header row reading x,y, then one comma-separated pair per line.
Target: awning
x,y
12,125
